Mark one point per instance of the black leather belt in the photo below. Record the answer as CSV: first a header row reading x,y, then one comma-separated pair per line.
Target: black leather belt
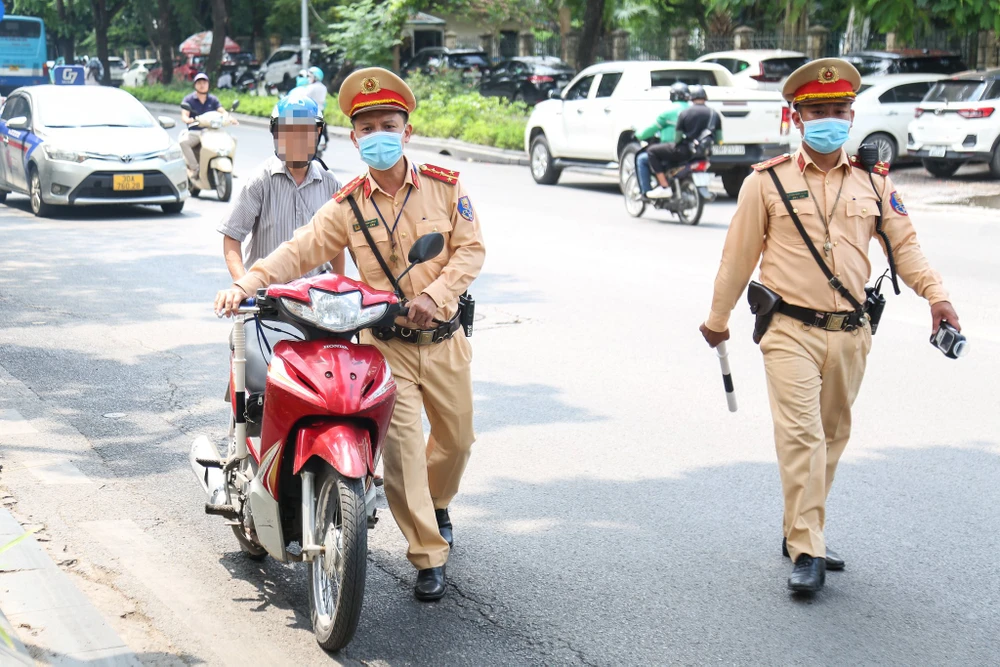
x,y
419,336
829,321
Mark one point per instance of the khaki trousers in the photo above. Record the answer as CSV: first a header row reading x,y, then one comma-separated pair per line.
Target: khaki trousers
x,y
423,475
188,143
813,377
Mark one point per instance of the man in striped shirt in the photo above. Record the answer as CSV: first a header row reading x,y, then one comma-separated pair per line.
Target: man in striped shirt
x,y
283,194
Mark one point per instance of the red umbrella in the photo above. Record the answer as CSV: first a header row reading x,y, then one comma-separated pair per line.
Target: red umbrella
x,y
200,44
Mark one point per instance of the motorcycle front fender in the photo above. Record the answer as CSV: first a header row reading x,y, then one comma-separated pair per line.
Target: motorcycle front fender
x,y
346,447
222,164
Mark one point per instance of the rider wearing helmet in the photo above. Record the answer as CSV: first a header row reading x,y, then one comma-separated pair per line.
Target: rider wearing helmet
x,y
662,129
692,123
284,193
314,89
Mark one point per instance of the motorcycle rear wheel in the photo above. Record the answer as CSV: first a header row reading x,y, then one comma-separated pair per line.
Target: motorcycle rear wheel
x,y
634,204
337,576
691,204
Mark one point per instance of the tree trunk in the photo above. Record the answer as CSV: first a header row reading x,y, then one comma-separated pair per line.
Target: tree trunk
x,y
220,19
164,39
103,16
593,20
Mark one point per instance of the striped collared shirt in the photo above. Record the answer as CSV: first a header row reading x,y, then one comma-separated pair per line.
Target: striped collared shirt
x,y
271,207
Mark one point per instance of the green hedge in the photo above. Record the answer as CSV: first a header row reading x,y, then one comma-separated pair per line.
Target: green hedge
x,y
446,109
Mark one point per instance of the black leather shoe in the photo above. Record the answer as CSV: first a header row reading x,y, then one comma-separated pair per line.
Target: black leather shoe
x,y
833,560
809,574
444,526
431,584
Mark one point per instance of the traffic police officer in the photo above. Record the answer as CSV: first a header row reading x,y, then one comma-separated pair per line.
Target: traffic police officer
x,y
399,202
816,347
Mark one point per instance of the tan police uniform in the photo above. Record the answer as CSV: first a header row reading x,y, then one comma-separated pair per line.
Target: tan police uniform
x,y
420,475
813,375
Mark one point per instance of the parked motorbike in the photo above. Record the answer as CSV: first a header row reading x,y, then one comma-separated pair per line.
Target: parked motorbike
x,y
215,155
310,411
689,183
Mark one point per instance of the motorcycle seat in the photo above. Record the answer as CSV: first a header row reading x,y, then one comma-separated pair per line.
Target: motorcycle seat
x,y
257,355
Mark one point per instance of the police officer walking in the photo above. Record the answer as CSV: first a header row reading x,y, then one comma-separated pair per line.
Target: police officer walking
x,y
808,219
377,217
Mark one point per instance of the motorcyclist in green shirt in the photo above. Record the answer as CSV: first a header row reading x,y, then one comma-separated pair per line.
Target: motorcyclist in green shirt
x,y
663,128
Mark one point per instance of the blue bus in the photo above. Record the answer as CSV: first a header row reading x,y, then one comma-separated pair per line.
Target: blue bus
x,y
22,53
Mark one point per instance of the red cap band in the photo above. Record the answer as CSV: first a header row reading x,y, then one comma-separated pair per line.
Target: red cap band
x,y
383,98
815,90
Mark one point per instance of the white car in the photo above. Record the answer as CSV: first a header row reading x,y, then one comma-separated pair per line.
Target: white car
x,y
137,72
959,122
884,109
758,69
116,68
281,68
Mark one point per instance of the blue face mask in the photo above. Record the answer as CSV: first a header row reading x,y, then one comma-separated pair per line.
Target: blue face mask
x,y
381,150
826,135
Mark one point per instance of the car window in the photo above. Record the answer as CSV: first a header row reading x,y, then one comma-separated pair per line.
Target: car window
x,y
609,81
467,60
779,68
668,77
888,97
956,91
912,93
580,89
519,68
993,92
932,65
17,106
737,66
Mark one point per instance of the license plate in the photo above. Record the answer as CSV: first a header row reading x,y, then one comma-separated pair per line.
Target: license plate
x,y
729,149
128,182
15,68
702,179
938,151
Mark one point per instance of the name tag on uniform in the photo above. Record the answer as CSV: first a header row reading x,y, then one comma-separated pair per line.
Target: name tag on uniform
x,y
368,223
801,194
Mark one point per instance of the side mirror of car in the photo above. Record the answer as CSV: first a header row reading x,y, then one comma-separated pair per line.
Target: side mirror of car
x,y
186,107
427,247
21,123
236,105
555,94
166,122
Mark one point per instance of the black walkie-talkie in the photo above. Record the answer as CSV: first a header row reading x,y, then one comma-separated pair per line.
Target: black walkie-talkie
x,y
869,154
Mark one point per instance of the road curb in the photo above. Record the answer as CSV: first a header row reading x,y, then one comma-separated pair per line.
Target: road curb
x,y
462,150
36,595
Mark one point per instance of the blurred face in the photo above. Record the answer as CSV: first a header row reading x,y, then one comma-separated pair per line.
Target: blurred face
x,y
380,121
201,86
296,144
805,112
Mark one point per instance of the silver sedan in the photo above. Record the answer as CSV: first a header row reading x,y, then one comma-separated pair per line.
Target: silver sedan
x,y
86,145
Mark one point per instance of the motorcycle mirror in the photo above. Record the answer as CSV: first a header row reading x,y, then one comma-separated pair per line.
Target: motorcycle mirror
x,y
236,104
427,247
186,106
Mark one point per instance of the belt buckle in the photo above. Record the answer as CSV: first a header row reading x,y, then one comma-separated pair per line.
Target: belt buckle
x,y
425,337
835,322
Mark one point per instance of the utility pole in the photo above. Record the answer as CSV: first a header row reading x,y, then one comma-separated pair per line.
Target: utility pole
x,y
304,42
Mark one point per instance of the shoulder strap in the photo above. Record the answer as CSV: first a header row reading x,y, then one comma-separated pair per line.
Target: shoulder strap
x,y
371,244
830,278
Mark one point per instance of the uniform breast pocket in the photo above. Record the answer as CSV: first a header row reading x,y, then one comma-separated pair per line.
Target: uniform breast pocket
x,y
780,226
363,255
861,214
440,225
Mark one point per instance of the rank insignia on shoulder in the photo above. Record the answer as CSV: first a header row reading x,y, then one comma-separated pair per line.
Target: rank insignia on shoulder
x,y
465,208
881,168
439,174
896,201
368,223
348,189
767,164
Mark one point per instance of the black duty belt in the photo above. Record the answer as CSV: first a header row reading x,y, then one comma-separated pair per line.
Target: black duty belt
x,y
829,321
419,336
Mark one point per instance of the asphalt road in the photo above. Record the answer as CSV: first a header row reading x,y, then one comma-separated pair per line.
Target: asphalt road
x,y
614,511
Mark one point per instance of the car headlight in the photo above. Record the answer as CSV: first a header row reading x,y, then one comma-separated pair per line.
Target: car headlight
x,y
56,153
171,154
339,313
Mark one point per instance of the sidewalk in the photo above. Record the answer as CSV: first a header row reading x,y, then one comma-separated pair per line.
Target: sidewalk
x,y
48,618
462,150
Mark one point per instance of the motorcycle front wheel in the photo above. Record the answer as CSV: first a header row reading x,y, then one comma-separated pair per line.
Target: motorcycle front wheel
x,y
223,185
691,204
337,576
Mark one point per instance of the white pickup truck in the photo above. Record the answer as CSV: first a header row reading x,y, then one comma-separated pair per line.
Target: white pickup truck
x,y
593,122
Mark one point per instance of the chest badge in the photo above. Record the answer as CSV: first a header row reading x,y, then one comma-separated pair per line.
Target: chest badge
x,y
465,208
370,224
896,201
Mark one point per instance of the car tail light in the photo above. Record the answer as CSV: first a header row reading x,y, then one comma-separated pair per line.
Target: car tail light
x,y
981,112
786,120
45,69
764,78
703,165
918,112
537,79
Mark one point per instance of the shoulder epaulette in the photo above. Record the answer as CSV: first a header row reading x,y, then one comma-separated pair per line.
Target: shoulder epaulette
x,y
881,168
348,189
767,164
439,174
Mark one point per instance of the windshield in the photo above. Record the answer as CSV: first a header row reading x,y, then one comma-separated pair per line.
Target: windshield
x,y
934,65
667,78
956,91
13,28
86,106
462,60
782,67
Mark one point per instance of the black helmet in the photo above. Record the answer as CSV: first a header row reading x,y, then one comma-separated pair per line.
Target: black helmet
x,y
679,92
697,92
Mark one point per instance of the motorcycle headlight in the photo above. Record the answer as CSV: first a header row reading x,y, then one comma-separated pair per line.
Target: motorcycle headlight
x,y
56,153
216,124
222,152
339,313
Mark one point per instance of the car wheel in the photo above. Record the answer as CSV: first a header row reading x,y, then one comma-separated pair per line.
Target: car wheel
x,y
519,96
542,169
626,166
886,146
732,180
941,168
3,196
173,208
994,164
38,206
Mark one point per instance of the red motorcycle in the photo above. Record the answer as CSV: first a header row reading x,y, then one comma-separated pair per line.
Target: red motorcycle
x,y
310,414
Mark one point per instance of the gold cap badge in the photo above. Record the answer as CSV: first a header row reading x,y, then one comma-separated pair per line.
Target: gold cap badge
x,y
829,74
370,86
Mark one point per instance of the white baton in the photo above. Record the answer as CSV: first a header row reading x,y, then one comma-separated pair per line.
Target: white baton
x,y
727,376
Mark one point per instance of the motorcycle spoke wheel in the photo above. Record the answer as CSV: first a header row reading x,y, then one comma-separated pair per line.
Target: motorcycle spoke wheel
x,y
691,203
337,575
634,204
